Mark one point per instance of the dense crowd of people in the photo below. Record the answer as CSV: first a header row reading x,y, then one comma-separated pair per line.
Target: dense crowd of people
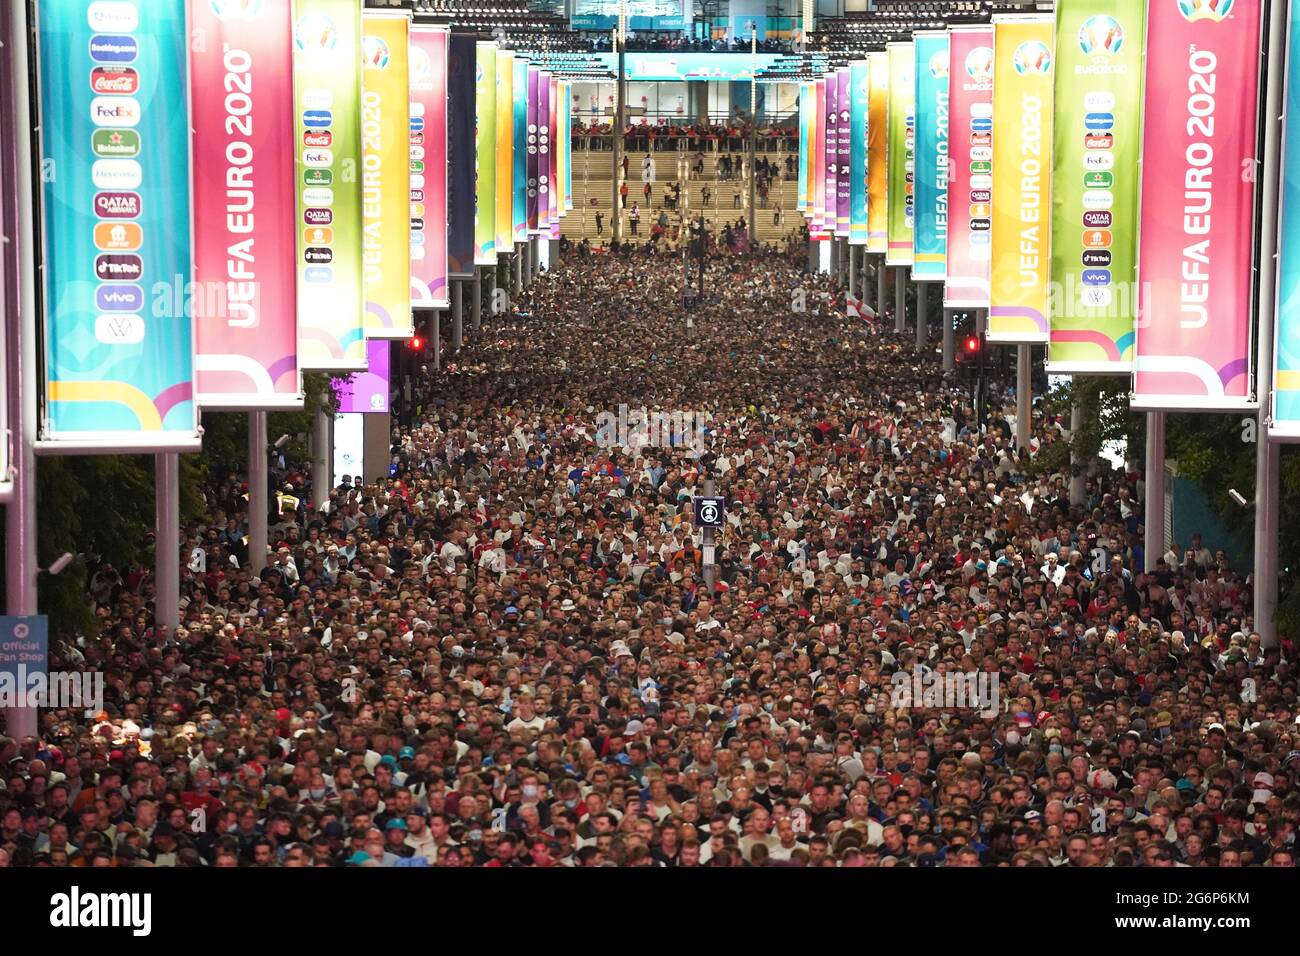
x,y
684,136
505,652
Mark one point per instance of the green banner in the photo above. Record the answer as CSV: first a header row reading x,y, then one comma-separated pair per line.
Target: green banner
x,y
327,87
1095,185
901,153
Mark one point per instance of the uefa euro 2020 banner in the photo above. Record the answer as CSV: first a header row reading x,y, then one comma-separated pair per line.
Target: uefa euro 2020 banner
x,y
831,152
505,124
429,167
877,154
327,134
544,153
844,153
1286,342
859,113
930,237
970,184
114,124
902,178
519,153
1196,248
1093,295
1018,294
485,163
386,178
801,202
245,243
817,152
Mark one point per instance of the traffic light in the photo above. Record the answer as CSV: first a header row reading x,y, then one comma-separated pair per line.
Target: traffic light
x,y
972,345
415,343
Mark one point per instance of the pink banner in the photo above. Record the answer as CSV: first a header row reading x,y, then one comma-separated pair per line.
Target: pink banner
x,y
553,196
817,221
429,288
368,391
970,117
244,301
1193,348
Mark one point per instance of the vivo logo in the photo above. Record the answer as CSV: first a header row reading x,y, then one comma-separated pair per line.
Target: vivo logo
x,y
318,274
1096,277
119,298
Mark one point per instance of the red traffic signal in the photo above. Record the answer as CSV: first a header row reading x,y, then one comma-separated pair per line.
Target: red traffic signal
x,y
415,343
972,344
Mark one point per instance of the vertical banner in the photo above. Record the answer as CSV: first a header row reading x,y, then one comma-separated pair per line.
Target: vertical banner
x,y
543,153
245,257
553,181
930,237
114,123
801,203
878,154
1196,238
461,63
1098,92
485,163
1285,423
902,145
844,153
534,139
327,131
1018,298
386,177
566,143
818,185
369,391
831,153
970,184
859,107
429,288
505,125
519,153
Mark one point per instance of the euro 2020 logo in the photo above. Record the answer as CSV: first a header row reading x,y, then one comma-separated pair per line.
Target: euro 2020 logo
x,y
1213,10
1101,34
1032,57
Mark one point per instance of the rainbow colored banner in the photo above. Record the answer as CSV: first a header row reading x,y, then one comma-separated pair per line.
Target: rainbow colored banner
x,y
930,237
805,106
386,176
1197,228
429,287
859,112
902,146
818,172
970,186
505,123
553,181
1022,183
1285,423
878,154
566,143
844,153
245,256
485,165
1098,94
519,153
831,154
327,86
114,125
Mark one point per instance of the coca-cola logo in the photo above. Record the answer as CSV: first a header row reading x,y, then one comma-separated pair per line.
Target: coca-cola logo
x,y
120,80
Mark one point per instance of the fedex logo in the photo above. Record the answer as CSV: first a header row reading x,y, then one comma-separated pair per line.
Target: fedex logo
x,y
115,111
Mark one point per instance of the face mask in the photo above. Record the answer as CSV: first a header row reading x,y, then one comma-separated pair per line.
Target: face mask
x,y
571,804
1055,748
530,790
475,836
317,793
1013,737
